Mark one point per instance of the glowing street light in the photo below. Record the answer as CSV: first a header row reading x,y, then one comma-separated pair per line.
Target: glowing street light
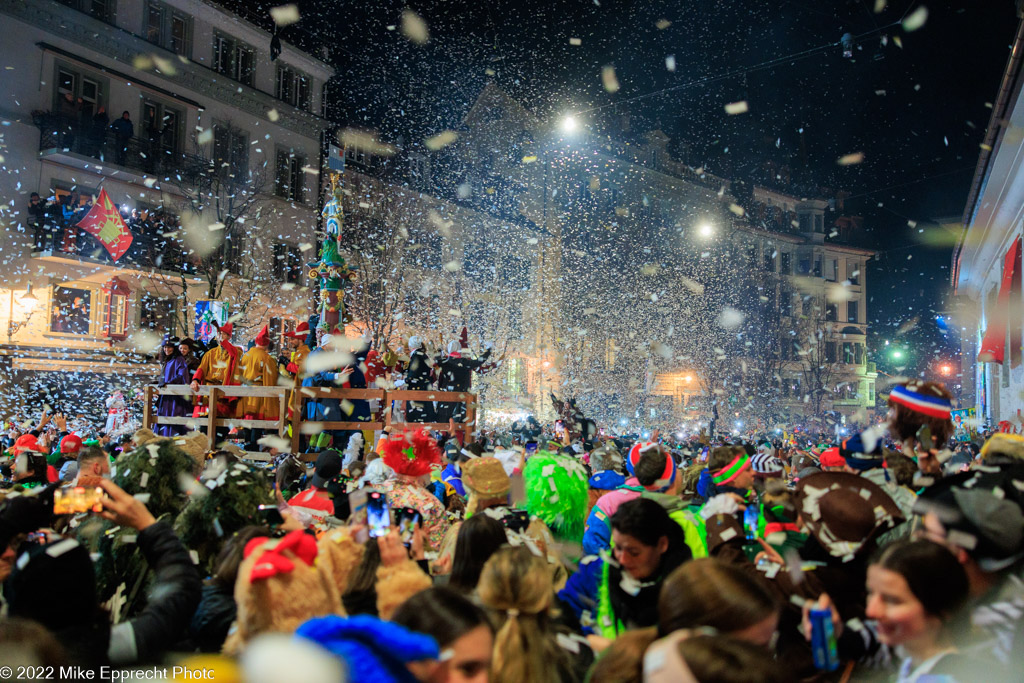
x,y
945,369
706,230
897,354
569,124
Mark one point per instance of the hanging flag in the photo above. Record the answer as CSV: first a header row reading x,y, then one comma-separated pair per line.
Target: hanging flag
x,y
104,222
336,159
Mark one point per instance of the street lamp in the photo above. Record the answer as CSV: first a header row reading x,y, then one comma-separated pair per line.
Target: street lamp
x,y
897,354
569,124
706,230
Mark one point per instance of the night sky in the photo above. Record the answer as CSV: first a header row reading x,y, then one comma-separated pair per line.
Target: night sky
x,y
917,111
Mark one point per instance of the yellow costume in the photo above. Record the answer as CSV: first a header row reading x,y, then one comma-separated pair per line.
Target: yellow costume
x,y
219,366
258,369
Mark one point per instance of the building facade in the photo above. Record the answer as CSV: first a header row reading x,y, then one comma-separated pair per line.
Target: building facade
x,y
211,151
987,304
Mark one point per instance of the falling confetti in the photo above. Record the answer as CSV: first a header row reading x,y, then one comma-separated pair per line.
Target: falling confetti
x,y
285,15
850,159
734,108
609,80
915,19
414,28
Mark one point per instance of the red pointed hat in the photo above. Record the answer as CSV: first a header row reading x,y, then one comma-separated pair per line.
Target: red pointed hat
x,y
301,331
412,453
227,328
263,338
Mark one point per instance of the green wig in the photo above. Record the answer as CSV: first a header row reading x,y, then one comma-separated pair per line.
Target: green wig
x,y
556,492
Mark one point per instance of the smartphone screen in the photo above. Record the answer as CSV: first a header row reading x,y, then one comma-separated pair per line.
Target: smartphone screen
x,y
924,437
70,500
750,522
378,514
531,447
270,515
408,520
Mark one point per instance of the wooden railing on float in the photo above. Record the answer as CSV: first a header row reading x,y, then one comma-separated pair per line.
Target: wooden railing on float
x,y
297,398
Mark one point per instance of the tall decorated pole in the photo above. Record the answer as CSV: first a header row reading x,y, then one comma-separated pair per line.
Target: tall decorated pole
x,y
331,269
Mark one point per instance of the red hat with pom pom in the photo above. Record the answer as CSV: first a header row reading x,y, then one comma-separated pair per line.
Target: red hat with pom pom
x,y
412,453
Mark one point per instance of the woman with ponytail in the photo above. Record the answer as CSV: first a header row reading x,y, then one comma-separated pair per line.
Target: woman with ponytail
x,y
515,586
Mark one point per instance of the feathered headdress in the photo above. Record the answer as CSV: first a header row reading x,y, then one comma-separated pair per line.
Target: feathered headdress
x,y
412,453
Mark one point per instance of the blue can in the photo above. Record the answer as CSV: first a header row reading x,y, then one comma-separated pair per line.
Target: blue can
x,y
823,640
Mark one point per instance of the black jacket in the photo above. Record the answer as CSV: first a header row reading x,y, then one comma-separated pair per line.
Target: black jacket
x,y
213,617
172,599
417,377
456,374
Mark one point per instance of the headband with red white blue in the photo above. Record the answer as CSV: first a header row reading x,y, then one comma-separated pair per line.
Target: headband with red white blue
x,y
932,406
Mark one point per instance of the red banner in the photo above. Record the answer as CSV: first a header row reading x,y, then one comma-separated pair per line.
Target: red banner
x,y
104,222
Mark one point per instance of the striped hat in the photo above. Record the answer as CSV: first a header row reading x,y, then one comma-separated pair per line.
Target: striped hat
x,y
638,449
765,464
932,406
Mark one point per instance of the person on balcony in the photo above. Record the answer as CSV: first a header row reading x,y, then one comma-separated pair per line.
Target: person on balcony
x,y
124,131
259,369
97,131
68,111
37,221
175,371
187,349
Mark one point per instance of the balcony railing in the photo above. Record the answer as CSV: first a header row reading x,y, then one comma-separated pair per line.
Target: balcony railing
x,y
153,157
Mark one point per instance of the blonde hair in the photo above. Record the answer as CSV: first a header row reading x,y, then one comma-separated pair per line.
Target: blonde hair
x,y
515,585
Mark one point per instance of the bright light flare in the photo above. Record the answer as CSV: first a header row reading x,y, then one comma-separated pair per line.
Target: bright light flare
x,y
706,230
569,124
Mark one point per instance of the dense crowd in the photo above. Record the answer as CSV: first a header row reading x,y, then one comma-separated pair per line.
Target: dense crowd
x,y
521,556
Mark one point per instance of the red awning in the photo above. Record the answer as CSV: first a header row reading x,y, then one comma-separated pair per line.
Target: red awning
x,y
993,346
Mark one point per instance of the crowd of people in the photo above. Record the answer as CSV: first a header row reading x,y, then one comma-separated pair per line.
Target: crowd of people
x,y
510,558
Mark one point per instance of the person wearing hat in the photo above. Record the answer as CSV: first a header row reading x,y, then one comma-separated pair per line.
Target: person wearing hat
x,y
977,515
766,465
258,369
606,466
188,349
597,532
67,464
455,373
293,364
456,456
831,460
412,456
418,378
30,468
317,500
175,372
219,367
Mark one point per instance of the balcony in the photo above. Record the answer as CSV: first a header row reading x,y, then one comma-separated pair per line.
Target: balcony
x,y
61,137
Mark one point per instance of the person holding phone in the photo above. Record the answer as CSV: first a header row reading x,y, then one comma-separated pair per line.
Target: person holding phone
x,y
75,617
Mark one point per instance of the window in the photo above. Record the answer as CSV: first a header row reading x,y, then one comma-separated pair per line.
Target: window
x,y
231,150
71,310
785,263
848,352
831,270
155,312
82,85
806,222
853,272
751,255
785,301
101,9
293,87
808,305
356,155
871,392
769,261
805,266
233,59
859,351
287,263
819,223
831,314
161,126
851,311
817,266
419,169
830,352
167,27
290,177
